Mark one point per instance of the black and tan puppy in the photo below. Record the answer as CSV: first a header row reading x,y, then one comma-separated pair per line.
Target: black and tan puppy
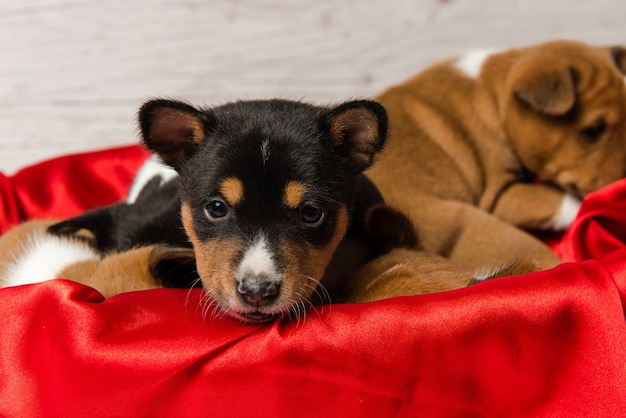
x,y
148,216
271,193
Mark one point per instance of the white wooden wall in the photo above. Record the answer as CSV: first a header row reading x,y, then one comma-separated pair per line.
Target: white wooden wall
x,y
74,72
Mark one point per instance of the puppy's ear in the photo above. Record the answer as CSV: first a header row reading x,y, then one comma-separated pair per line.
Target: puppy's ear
x,y
174,266
172,129
546,83
618,53
360,128
92,227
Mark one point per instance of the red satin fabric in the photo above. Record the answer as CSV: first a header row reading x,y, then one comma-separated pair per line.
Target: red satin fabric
x,y
68,185
600,226
544,344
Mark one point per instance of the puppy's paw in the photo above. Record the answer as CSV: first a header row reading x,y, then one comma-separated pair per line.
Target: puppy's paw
x,y
405,272
570,205
517,268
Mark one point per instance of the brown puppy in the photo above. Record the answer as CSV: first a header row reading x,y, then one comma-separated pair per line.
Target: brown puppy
x,y
470,137
405,269
29,254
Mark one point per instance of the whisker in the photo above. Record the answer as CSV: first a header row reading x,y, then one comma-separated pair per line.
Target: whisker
x,y
217,312
303,310
318,289
297,310
292,312
193,285
206,306
301,307
289,317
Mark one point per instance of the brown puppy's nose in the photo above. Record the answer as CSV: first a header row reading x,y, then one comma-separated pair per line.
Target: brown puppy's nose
x,y
258,291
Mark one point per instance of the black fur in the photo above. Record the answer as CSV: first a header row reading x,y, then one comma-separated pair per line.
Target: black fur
x,y
301,148
152,219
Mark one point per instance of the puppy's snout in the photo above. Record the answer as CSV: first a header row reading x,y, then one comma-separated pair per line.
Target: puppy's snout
x,y
258,291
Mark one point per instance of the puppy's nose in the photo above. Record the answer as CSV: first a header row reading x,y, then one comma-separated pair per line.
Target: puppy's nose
x,y
258,291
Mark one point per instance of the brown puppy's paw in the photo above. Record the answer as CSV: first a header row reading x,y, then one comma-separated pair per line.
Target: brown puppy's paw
x,y
513,269
404,272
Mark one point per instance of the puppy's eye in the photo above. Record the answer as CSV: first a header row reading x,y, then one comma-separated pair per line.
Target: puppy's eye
x,y
594,132
311,214
216,209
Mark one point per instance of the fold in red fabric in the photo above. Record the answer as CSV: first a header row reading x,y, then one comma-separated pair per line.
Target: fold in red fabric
x,y
600,226
68,185
543,344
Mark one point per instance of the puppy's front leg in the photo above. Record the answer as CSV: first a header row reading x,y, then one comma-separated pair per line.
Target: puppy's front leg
x,y
536,206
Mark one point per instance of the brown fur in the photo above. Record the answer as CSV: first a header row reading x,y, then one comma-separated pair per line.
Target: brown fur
x,y
360,128
123,272
294,194
213,260
458,145
405,272
232,190
408,272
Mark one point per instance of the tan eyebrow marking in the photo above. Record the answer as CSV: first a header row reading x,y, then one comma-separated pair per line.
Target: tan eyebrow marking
x,y
294,194
232,190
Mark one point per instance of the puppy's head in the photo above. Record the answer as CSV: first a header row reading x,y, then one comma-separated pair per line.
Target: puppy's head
x,y
266,191
566,114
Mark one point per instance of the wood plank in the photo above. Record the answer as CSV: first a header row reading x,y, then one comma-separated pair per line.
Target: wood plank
x,y
74,72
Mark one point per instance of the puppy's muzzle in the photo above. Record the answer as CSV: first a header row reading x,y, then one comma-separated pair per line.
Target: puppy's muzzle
x,y
258,290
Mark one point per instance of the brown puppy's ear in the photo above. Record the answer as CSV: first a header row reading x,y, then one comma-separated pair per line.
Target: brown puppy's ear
x,y
546,83
172,129
618,53
174,266
360,128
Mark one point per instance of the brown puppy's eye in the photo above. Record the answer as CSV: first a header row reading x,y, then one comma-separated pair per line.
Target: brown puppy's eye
x,y
594,132
312,214
216,209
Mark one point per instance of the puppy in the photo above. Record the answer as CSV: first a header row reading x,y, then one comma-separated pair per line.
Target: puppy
x,y
404,268
149,215
272,196
29,254
491,143
408,272
395,271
